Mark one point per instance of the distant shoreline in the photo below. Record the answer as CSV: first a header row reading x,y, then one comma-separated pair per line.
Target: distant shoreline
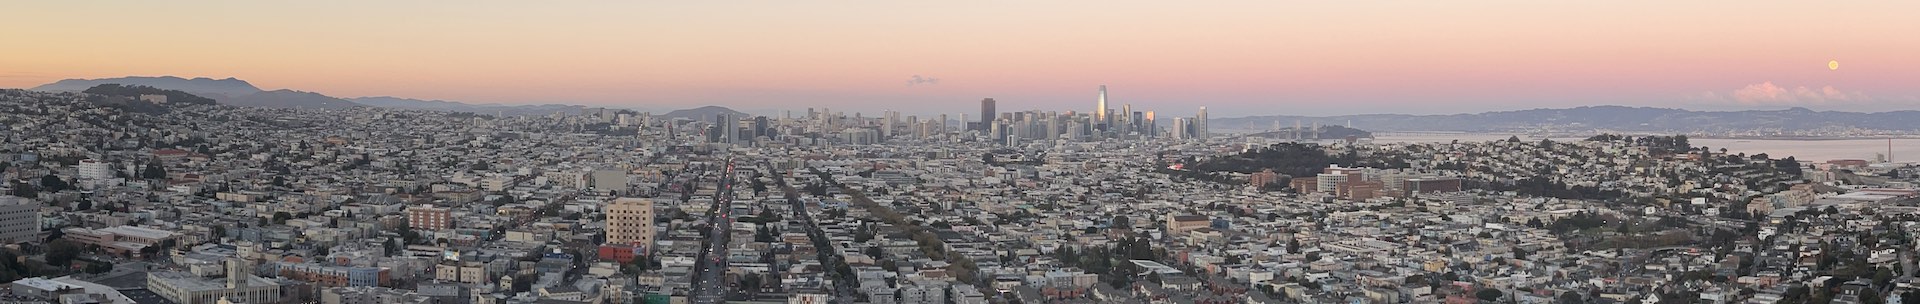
x,y
1798,137
1689,136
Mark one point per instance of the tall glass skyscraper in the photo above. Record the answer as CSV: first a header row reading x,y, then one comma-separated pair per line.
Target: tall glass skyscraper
x,y
986,115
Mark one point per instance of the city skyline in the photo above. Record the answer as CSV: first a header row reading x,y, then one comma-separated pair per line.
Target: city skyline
x,y
888,152
1243,58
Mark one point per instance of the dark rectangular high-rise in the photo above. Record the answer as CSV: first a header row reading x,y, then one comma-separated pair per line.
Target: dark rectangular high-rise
x,y
987,114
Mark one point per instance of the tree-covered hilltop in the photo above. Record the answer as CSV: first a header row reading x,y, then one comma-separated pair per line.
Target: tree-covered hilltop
x,y
134,91
1291,159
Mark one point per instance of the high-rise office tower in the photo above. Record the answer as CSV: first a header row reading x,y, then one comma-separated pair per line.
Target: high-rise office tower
x,y
886,124
716,133
762,127
1200,124
1136,122
987,114
1151,127
1100,110
1180,130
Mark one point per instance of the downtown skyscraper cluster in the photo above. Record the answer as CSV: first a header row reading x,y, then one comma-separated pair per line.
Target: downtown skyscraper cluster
x,y
823,126
1103,122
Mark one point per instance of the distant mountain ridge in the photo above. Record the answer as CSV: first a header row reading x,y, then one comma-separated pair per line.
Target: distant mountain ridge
x,y
226,87
229,91
236,92
706,113
288,99
1614,118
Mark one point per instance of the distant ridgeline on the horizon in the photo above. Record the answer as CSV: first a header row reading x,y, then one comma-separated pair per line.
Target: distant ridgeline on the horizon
x,y
1607,119
1593,119
1323,132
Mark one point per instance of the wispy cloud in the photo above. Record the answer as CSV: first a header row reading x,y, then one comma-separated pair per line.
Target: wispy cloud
x,y
919,80
1769,94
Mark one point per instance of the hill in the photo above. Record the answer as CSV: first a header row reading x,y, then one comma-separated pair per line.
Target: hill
x,y
1608,118
288,99
230,91
199,86
1324,132
703,113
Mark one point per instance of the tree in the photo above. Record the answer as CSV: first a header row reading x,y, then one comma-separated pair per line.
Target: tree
x,y
98,267
61,252
768,216
1570,297
407,234
1140,249
153,171
21,189
53,183
281,217
83,205
523,283
1489,294
54,235
391,246
1882,276
764,234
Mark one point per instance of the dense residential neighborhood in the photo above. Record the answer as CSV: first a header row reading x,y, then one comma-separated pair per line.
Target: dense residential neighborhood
x,y
120,196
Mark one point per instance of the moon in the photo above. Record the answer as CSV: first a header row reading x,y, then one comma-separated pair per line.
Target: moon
x,y
1833,65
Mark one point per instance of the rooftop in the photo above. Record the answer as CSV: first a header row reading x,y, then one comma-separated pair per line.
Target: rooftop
x,y
190,282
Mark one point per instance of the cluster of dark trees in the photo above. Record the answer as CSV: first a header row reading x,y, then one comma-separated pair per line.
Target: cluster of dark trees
x,y
1110,262
1291,159
1654,143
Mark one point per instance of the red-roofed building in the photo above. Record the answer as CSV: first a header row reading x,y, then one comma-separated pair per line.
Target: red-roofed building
x,y
171,155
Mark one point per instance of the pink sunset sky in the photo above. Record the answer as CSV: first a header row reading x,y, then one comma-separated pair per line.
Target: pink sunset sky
x,y
1237,58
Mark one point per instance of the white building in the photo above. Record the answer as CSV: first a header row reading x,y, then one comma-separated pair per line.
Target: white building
x,y
19,219
605,181
96,169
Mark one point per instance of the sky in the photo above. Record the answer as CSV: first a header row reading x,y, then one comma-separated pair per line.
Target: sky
x,y
1237,58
